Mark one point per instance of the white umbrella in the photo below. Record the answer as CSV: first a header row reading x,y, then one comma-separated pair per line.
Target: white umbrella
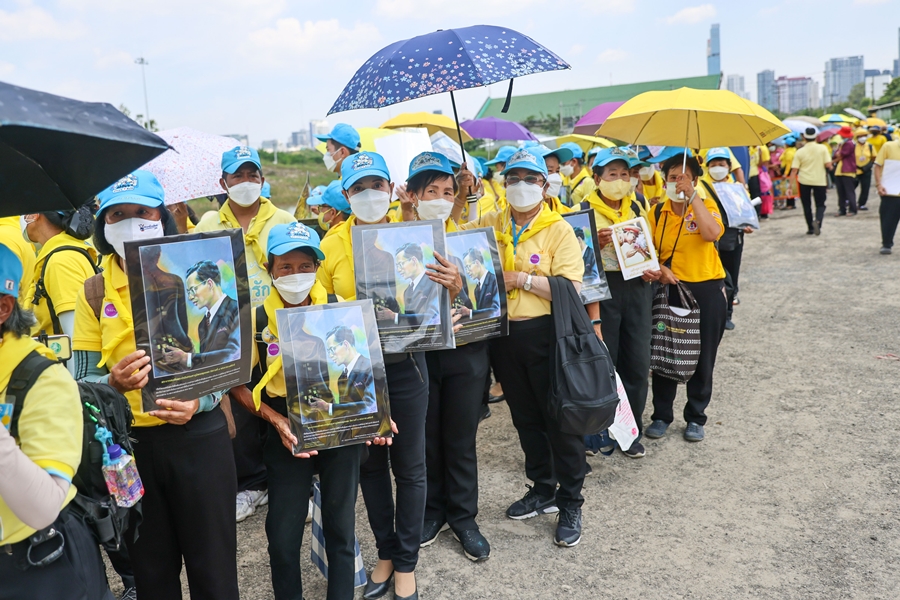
x,y
194,167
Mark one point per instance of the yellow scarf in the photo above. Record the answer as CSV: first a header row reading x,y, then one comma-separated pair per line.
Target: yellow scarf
x,y
273,302
13,350
110,266
544,219
266,211
615,216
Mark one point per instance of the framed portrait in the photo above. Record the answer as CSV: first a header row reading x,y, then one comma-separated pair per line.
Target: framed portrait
x,y
634,247
390,261
190,301
594,287
785,188
482,301
334,374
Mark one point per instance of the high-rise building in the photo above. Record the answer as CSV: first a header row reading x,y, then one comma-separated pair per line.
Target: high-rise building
x,y
300,139
796,94
896,72
713,62
841,74
766,94
875,85
735,83
317,127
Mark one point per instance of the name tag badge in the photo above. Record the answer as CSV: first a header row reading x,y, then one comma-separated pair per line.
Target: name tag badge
x,y
273,349
535,259
109,310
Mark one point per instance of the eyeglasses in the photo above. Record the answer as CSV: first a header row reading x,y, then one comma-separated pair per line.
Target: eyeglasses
x,y
192,291
401,263
532,179
331,350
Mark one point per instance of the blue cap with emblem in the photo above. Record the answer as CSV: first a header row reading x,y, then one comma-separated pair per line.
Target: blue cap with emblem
x,y
334,197
667,153
429,161
343,134
140,187
363,164
526,159
563,155
718,153
10,272
503,155
608,155
577,152
234,158
315,195
266,191
291,236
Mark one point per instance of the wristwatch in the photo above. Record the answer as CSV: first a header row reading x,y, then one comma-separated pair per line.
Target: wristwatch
x,y
527,286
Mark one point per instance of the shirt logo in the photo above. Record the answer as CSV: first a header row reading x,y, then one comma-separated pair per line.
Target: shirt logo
x,y
110,310
126,184
243,152
692,226
148,226
362,161
298,231
522,156
535,259
426,159
273,349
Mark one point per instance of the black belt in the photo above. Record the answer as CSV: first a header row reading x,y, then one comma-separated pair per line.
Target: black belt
x,y
50,534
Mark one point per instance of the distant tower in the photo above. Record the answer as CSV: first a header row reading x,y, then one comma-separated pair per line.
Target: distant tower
x,y
713,62
766,94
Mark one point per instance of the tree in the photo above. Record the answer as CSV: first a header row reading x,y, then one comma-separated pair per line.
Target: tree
x,y
139,119
892,93
857,97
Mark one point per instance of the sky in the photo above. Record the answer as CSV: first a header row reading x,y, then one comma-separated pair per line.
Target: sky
x,y
267,67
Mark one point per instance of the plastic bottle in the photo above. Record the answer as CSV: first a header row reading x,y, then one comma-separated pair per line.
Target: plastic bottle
x,y
122,478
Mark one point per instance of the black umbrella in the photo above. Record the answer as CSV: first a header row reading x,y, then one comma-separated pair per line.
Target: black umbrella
x,y
57,153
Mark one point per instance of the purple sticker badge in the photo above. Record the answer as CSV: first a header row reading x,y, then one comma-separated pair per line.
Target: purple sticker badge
x,y
535,259
110,310
273,349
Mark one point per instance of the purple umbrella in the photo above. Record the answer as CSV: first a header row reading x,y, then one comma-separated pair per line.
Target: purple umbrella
x,y
492,128
591,122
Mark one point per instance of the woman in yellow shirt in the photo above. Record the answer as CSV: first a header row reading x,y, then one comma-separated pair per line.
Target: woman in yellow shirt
x,y
685,231
182,448
536,243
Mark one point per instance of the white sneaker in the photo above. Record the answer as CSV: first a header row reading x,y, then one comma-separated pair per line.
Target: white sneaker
x,y
247,501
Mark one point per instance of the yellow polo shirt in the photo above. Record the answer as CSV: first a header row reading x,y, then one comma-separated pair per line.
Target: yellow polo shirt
x,y
787,159
553,251
865,153
695,259
877,142
889,151
581,184
810,164
336,273
65,275
11,237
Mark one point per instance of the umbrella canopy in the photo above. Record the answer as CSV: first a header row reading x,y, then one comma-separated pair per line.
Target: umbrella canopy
x,y
811,120
57,153
798,126
873,121
192,167
692,118
826,134
585,142
492,128
367,137
856,113
424,120
594,118
838,118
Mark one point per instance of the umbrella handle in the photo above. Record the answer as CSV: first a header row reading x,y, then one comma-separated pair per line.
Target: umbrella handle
x,y
458,129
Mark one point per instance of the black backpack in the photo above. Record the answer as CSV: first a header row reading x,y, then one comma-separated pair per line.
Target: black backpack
x,y
40,291
102,406
583,396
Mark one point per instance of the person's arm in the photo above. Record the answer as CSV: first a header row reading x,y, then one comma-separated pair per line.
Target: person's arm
x,y
739,176
540,285
878,169
593,311
86,368
242,395
67,322
710,229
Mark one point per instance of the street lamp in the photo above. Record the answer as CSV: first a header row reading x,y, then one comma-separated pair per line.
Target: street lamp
x,y
143,63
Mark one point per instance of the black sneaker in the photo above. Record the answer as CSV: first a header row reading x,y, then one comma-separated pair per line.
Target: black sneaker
x,y
474,544
431,530
636,450
729,325
485,413
568,527
817,227
532,504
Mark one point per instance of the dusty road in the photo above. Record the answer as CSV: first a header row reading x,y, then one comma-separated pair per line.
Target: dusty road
x,y
794,493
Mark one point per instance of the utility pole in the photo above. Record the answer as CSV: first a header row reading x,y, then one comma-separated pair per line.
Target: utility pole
x,y
143,63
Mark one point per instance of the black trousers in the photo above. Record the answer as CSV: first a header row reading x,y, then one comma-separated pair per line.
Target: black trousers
x,y
627,321
846,189
754,190
78,574
710,296
189,512
290,479
121,563
889,214
456,381
248,442
398,533
863,182
807,192
551,456
731,261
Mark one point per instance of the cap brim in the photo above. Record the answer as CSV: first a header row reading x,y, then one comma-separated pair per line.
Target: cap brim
x,y
314,201
232,168
323,138
528,166
346,183
132,199
282,249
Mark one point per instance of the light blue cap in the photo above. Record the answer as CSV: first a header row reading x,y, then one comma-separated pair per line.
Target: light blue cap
x,y
234,158
608,155
140,187
563,155
429,161
577,152
718,153
290,236
334,197
503,155
315,194
667,153
526,158
363,164
10,272
266,191
343,134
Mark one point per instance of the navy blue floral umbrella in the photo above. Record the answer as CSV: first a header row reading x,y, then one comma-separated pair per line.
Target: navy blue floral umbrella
x,y
445,61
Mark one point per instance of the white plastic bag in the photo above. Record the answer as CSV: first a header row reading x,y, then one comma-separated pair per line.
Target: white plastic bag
x,y
624,429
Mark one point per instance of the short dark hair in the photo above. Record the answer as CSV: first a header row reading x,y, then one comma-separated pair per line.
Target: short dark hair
x,y
19,322
105,248
599,171
420,181
77,223
338,146
205,269
692,163
473,254
341,334
307,251
411,250
579,232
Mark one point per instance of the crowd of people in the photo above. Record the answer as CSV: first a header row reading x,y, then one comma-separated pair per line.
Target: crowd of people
x,y
209,463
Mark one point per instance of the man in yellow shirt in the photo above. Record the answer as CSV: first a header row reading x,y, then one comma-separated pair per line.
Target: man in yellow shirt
x,y
877,138
581,182
341,142
865,157
11,237
889,211
811,165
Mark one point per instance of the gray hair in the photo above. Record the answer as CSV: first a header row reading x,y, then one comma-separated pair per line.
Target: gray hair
x,y
20,322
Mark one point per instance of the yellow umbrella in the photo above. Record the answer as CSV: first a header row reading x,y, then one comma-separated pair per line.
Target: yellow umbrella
x,y
585,142
430,121
875,121
693,119
367,137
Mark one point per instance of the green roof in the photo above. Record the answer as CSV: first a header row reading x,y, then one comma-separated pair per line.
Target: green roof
x,y
575,103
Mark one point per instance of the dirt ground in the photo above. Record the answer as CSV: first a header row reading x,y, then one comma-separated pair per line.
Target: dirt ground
x,y
793,494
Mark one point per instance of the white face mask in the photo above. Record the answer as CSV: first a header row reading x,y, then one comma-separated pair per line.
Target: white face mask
x,y
434,210
129,230
245,194
771,148
24,225
672,195
329,161
499,177
370,205
555,184
634,183
295,288
567,170
646,173
862,140
524,196
718,173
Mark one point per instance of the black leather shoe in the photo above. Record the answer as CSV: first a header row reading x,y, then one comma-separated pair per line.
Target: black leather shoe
x,y
377,590
474,544
415,596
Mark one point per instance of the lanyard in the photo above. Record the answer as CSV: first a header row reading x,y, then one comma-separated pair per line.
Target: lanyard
x,y
517,234
668,262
